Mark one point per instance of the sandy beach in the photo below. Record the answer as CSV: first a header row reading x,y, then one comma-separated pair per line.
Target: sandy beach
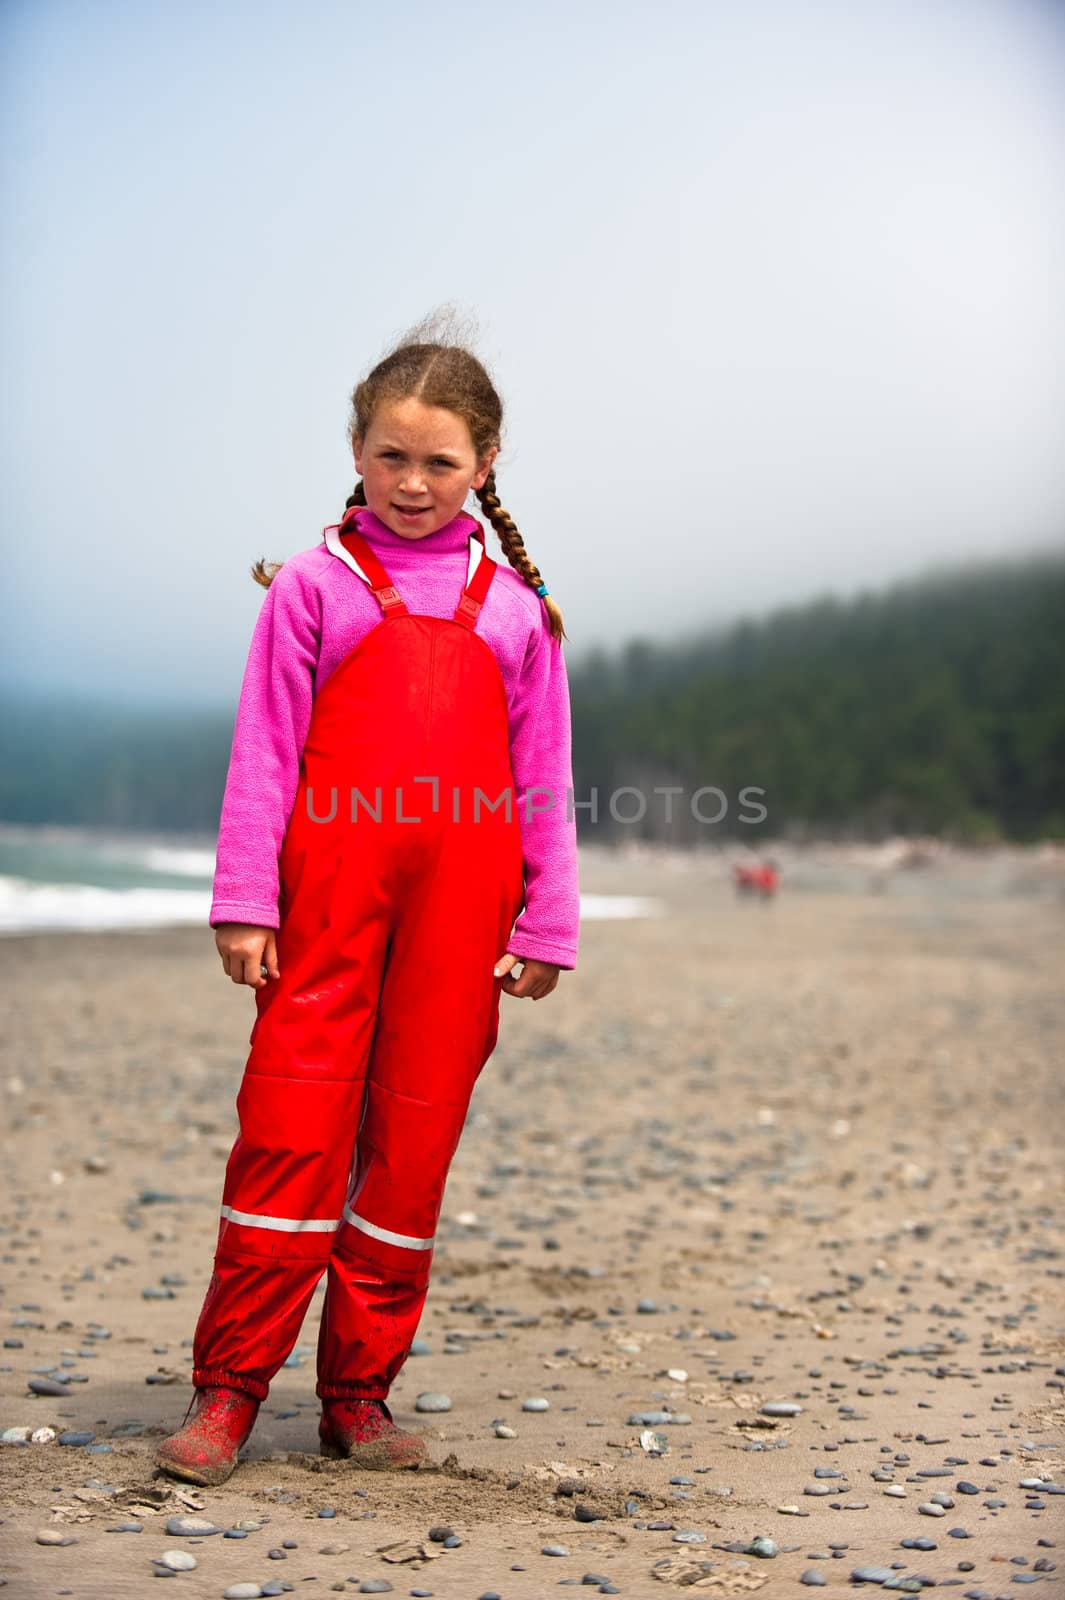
x,y
803,1155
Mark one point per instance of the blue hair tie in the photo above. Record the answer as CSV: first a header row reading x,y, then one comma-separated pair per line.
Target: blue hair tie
x,y
543,589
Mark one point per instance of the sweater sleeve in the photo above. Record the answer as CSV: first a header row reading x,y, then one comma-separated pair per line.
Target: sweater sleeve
x,y
273,715
541,761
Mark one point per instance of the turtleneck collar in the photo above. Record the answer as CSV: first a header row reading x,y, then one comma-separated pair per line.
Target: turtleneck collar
x,y
454,535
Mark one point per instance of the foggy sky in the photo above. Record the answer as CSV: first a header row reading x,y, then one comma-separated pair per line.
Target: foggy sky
x,y
772,292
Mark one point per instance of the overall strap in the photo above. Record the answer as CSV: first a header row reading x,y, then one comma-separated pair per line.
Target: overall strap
x,y
384,590
472,597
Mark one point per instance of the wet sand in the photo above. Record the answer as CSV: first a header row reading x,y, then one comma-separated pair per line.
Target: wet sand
x,y
806,1152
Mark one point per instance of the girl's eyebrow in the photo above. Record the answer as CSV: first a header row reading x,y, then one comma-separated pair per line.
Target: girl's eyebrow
x,y
444,455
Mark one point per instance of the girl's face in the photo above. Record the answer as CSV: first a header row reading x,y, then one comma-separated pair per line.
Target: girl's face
x,y
417,465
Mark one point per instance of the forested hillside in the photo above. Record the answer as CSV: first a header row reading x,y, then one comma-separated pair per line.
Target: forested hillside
x,y
936,706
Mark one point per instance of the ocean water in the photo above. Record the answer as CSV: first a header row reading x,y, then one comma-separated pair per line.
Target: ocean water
x,y
55,878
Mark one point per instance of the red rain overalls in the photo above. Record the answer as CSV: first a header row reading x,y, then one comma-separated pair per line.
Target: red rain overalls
x,y
398,893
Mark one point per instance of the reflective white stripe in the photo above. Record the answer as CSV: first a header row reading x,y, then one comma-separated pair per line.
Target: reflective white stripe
x,y
386,1233
333,544
250,1219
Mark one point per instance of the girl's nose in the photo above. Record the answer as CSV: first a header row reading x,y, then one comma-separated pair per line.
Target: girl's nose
x,y
412,481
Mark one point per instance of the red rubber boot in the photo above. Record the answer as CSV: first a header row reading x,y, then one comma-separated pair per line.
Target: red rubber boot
x,y
205,1448
362,1431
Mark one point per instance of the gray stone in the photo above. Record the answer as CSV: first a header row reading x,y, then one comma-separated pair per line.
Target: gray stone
x,y
432,1401
763,1547
190,1528
47,1386
177,1560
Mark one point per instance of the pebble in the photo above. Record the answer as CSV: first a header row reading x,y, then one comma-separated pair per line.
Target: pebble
x,y
47,1386
814,1579
536,1403
432,1401
243,1591
374,1586
930,1509
871,1575
15,1436
190,1528
42,1436
75,1437
689,1536
896,1491
177,1560
658,1419
503,1432
781,1408
763,1547
56,1536
553,1550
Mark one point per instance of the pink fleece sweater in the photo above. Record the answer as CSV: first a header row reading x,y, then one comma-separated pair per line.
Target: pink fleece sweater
x,y
314,612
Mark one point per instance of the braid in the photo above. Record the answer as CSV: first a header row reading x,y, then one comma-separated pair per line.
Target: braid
x,y
515,551
265,572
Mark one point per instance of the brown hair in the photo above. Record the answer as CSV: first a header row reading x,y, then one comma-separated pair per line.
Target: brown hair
x,y
440,373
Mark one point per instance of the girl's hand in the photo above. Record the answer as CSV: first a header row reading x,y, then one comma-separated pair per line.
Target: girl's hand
x,y
537,979
245,949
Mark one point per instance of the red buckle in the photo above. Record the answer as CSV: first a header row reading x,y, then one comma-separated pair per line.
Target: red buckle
x,y
388,597
469,606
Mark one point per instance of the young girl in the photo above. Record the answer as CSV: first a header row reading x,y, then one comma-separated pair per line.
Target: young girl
x,y
397,833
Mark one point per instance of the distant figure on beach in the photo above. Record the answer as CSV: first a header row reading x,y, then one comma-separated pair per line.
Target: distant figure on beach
x,y
762,879
379,875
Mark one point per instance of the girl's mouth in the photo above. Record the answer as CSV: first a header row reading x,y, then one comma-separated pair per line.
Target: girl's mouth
x,y
412,512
